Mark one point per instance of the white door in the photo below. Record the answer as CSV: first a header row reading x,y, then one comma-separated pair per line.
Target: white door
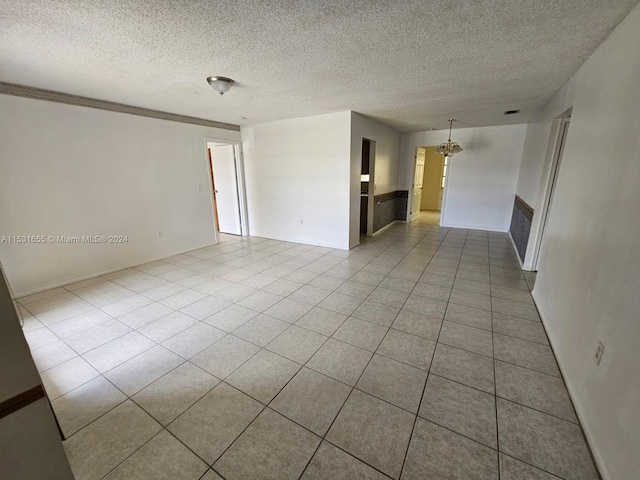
x,y
225,189
417,185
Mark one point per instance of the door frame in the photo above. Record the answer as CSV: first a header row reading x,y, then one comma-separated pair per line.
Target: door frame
x,y
372,185
446,184
560,140
410,201
240,184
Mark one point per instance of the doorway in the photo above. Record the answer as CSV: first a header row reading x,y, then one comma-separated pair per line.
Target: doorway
x,y
367,186
563,131
433,183
224,169
417,185
429,185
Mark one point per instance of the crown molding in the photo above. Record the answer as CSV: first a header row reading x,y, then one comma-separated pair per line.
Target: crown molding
x,y
77,100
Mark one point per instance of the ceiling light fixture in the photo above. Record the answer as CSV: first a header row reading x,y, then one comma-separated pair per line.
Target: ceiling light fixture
x,y
220,84
449,148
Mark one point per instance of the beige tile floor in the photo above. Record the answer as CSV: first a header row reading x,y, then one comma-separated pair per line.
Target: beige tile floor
x,y
418,354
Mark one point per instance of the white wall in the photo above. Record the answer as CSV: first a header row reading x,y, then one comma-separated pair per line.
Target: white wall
x,y
70,170
589,268
299,169
385,170
482,179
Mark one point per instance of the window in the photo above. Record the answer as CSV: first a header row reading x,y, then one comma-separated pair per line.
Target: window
x,y
444,171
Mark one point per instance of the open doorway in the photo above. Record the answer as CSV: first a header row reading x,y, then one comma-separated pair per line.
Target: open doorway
x,y
367,186
561,140
429,185
225,171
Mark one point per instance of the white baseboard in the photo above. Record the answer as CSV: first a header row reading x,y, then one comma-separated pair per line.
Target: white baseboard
x,y
515,249
475,227
385,227
104,272
297,240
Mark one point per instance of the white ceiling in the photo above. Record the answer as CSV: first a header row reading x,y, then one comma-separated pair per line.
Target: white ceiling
x,y
409,64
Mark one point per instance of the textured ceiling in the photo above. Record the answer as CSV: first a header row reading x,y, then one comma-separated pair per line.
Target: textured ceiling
x,y
409,64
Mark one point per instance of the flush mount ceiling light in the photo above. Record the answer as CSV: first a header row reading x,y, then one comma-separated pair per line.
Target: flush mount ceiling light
x,y
449,148
220,84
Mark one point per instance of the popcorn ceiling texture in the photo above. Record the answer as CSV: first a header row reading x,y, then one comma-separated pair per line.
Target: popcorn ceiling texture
x,y
408,64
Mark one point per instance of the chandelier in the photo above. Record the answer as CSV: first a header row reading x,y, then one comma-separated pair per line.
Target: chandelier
x,y
449,148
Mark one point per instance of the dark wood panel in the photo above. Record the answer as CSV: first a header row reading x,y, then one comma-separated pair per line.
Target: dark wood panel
x,y
21,400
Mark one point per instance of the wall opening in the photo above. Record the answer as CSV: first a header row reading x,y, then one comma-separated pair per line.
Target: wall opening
x,y
227,192
552,182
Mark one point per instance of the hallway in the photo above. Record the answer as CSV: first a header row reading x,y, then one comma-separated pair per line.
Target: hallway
x,y
430,217
418,354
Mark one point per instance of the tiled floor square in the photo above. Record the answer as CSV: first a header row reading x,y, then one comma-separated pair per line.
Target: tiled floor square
x,y
373,431
437,292
397,383
270,440
467,338
231,318
547,442
464,367
93,337
436,452
312,400
388,296
341,303
513,469
169,396
472,317
463,409
297,344
224,356
145,315
515,309
534,389
161,457
193,340
376,313
263,376
525,354
166,327
260,300
519,328
331,463
80,323
425,305
103,444
340,360
407,348
288,310
418,324
53,354
310,294
205,308
322,321
212,424
361,333
83,405
261,329
135,374
234,292
66,376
